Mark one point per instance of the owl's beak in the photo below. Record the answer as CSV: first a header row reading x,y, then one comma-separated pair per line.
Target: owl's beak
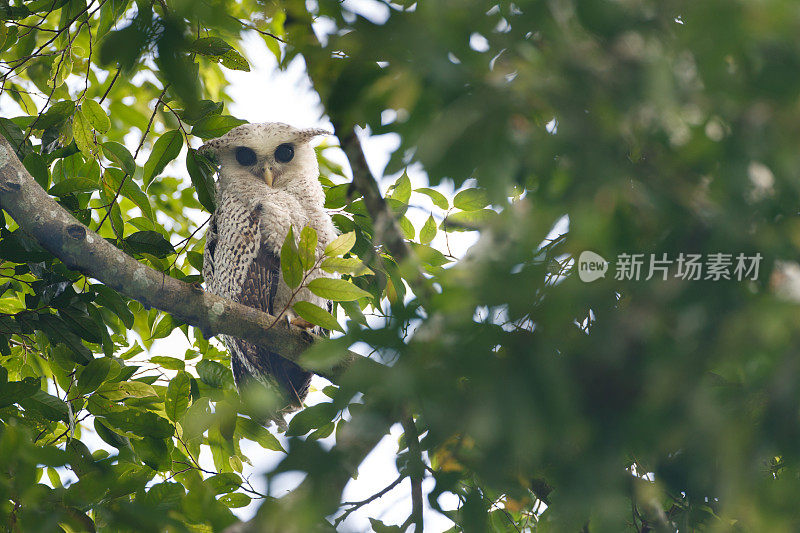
x,y
268,176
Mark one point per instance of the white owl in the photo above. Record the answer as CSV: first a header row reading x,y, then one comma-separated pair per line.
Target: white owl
x,y
268,182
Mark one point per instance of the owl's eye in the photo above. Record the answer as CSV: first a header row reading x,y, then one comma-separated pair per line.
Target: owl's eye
x,y
245,156
284,153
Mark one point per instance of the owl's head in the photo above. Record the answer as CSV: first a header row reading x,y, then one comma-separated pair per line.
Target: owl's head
x,y
273,153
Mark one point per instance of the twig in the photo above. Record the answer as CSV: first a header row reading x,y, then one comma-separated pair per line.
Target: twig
x,y
358,505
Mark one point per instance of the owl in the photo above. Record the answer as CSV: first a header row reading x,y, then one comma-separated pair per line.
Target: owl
x,y
268,182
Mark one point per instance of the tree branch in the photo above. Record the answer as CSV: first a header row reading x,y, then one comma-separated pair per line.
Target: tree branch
x,y
83,250
416,468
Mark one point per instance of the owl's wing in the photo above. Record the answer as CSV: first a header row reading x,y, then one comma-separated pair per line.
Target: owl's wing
x,y
208,253
258,290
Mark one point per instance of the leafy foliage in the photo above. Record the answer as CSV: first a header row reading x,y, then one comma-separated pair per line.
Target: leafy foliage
x,y
542,402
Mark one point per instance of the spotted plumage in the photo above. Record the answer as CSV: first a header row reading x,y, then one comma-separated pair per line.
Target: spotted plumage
x,y
268,182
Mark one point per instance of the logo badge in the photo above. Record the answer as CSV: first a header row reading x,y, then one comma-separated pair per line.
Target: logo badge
x,y
591,266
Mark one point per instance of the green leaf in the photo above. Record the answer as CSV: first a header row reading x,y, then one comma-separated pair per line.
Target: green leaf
x,y
118,180
176,401
337,290
14,391
308,247
110,299
45,5
291,267
210,46
94,374
108,435
154,451
436,197
471,199
139,423
120,155
214,374
56,115
83,134
311,418
235,500
346,265
48,406
58,332
200,110
401,190
216,126
9,12
317,315
429,255
36,165
96,115
468,220
149,242
223,483
169,363
165,149
234,61
254,431
201,171
428,231
110,12
407,228
136,389
72,186
341,245
163,327
337,196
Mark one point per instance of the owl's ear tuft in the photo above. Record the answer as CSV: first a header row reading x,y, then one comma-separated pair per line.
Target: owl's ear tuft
x,y
310,133
210,148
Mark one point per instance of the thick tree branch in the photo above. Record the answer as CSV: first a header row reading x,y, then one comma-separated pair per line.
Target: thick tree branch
x,y
84,250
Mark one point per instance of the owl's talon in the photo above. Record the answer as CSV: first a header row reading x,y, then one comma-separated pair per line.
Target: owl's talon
x,y
302,323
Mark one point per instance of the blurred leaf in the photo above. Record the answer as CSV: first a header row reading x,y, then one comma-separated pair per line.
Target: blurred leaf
x,y
311,418
471,199
428,231
436,197
401,190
